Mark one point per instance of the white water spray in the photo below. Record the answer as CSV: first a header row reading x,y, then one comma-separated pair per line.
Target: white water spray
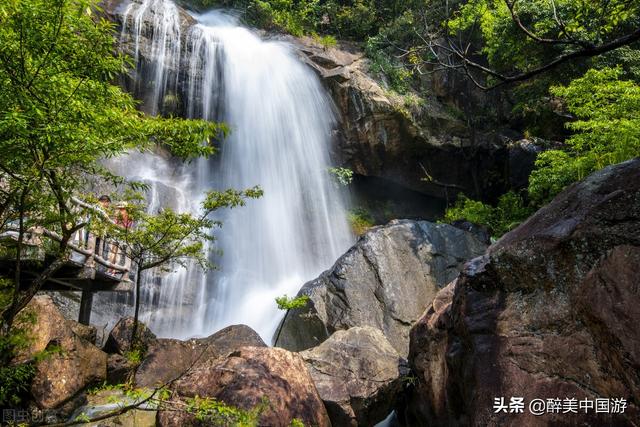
x,y
281,122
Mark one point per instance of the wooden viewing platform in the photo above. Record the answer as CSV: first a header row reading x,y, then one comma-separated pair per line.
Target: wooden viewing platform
x,y
88,268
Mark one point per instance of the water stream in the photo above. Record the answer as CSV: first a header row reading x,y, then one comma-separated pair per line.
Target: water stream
x,y
281,122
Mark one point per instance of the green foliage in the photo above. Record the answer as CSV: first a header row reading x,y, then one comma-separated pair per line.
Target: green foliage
x,y
574,23
326,41
134,356
296,18
214,412
606,131
346,19
360,220
537,32
128,389
355,19
286,303
409,380
397,76
296,422
343,176
6,293
510,211
82,418
92,391
473,211
18,338
15,381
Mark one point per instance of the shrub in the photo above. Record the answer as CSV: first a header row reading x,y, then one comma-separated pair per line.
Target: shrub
x,y
510,211
326,41
360,220
286,303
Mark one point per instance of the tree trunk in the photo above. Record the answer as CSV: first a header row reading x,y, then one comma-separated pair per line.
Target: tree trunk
x,y
17,278
136,312
22,300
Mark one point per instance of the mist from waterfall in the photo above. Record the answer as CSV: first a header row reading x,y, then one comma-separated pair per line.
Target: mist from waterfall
x,y
281,122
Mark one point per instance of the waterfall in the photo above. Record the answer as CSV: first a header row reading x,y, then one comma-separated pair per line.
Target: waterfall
x,y
281,122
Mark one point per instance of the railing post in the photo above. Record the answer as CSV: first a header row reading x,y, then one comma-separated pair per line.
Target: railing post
x,y
86,302
91,247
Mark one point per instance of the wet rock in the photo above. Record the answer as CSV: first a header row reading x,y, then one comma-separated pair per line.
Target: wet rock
x,y
252,375
522,158
120,337
428,355
549,312
63,373
358,374
386,281
71,363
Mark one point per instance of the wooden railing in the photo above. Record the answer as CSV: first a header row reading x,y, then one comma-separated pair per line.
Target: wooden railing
x,y
96,251
99,252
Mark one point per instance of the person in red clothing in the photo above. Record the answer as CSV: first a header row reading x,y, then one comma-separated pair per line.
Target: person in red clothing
x,y
122,216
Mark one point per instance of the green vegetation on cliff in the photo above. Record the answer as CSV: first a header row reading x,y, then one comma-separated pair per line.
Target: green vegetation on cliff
x,y
605,130
605,125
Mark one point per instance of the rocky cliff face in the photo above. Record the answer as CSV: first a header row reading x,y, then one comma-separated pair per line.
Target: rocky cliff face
x,y
424,144
549,312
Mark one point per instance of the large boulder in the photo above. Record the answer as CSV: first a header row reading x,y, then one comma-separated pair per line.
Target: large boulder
x,y
359,375
249,378
232,338
168,359
386,281
87,332
550,312
121,336
428,359
66,363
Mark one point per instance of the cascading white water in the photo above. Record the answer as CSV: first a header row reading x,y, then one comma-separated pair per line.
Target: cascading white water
x,y
281,122
160,20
